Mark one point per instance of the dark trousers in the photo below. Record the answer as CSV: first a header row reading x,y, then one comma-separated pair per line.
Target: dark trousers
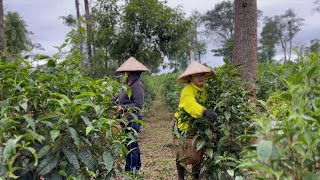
x,y
133,158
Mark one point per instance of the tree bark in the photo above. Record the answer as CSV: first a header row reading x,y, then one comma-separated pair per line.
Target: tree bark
x,y
89,32
245,51
2,38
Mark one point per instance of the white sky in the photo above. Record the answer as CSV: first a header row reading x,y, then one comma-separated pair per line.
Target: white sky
x,y
42,18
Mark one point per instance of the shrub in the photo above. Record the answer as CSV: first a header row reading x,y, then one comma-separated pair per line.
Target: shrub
x,y
56,123
171,90
270,75
289,129
150,94
218,139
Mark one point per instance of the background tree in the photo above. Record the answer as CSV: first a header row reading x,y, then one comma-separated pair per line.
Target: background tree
x,y
16,33
2,38
268,41
287,27
69,20
219,22
76,22
245,51
89,33
149,40
198,46
314,46
225,51
107,19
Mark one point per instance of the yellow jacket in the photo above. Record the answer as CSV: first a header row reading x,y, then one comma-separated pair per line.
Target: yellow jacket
x,y
190,99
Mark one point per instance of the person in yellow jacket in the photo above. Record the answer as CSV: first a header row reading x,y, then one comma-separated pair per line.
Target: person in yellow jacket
x,y
192,96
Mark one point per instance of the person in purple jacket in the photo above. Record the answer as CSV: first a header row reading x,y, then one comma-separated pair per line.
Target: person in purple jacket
x,y
133,69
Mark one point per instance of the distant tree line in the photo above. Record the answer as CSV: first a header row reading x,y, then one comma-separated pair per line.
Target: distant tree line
x,y
110,31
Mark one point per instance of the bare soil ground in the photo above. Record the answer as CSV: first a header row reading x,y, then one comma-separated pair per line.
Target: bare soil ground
x,y
158,160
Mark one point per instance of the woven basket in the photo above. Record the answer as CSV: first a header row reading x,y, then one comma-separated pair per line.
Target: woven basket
x,y
186,151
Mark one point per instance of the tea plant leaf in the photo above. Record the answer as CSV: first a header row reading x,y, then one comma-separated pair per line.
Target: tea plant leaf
x,y
25,62
298,147
200,144
43,151
63,173
24,105
10,148
5,67
72,158
86,120
49,116
34,153
30,121
311,72
209,152
41,57
208,132
307,137
129,92
230,172
62,96
51,63
255,165
74,136
47,165
234,109
227,114
86,94
47,123
264,150
108,161
286,96
86,158
54,134
35,135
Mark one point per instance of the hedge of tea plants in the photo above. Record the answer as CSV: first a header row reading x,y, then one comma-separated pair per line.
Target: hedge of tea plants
x,y
56,123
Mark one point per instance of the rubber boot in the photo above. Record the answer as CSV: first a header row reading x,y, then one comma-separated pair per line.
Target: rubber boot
x,y
181,171
196,169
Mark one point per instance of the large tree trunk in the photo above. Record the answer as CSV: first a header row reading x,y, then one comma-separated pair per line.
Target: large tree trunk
x,y
2,38
89,33
245,51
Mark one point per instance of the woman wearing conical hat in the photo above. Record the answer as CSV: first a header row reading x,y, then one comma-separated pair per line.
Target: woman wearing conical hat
x,y
133,69
192,97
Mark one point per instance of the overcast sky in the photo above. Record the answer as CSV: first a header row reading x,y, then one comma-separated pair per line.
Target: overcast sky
x,y
42,18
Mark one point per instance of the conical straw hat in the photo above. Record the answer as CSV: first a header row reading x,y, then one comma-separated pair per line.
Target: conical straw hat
x,y
193,68
132,65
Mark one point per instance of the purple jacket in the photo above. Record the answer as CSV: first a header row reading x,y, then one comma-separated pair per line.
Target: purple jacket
x,y
135,101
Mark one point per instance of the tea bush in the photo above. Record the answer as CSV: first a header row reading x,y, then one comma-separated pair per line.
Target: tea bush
x,y
270,75
171,90
55,123
289,129
218,139
150,92
222,145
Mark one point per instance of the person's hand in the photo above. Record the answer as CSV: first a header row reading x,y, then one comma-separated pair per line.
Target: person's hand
x,y
210,115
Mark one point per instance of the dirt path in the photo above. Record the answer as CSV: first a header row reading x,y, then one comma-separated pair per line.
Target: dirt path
x,y
156,146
